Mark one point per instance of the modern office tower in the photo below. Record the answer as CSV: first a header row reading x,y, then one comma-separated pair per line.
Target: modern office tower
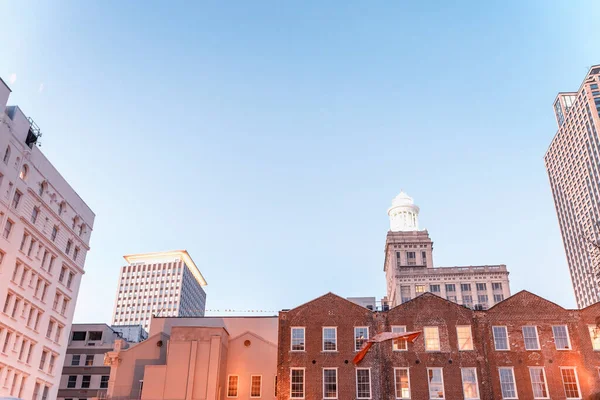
x,y
572,162
164,284
410,271
45,233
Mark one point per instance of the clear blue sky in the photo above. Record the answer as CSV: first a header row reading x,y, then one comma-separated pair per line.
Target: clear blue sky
x,y
269,138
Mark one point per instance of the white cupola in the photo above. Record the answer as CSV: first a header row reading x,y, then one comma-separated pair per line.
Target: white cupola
x,y
404,214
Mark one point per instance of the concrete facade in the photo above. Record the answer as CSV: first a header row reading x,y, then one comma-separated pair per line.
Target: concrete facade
x,y
164,284
45,233
572,162
410,271
459,354
198,358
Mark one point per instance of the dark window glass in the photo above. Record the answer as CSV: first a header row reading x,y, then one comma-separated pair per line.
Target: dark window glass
x,y
79,335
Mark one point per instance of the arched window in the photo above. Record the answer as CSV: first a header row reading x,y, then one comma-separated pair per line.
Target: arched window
x,y
17,162
7,155
61,208
42,188
81,229
24,171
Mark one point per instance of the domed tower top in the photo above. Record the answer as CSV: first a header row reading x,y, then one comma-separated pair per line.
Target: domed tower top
x,y
404,214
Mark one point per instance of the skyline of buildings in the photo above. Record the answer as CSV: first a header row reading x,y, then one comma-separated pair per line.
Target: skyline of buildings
x,y
46,229
572,163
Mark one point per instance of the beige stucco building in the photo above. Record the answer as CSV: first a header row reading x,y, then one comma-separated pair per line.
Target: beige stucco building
x,y
410,270
198,358
45,230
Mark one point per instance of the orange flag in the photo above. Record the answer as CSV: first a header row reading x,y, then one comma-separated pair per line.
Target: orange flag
x,y
382,337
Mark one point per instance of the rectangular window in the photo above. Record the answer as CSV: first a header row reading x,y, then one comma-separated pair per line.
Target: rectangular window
x,y
329,339
23,242
6,342
361,335
465,287
76,359
450,287
434,288
530,337
85,381
467,300
330,383
298,339
255,385
538,383
70,280
61,276
561,337
104,382
43,360
7,228
500,337
402,383
54,233
297,383
570,382
411,258
469,382
595,336
95,335
399,344
481,286
58,334
16,199
363,383
34,214
435,379
68,248
496,285
498,298
72,381
432,338
419,289
89,359
51,364
507,383
75,253
483,300
45,393
424,258
50,329
465,337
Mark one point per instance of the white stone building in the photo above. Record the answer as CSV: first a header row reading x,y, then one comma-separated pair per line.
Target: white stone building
x,y
166,284
45,232
410,270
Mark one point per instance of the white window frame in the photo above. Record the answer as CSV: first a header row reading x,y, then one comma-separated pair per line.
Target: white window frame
x,y
576,381
292,338
507,338
568,337
403,340
323,338
336,382
537,337
591,329
396,383
545,382
370,383
470,335
443,386
260,388
512,371
462,379
355,338
237,386
303,382
438,339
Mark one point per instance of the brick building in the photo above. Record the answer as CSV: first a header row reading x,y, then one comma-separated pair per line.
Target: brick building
x,y
524,347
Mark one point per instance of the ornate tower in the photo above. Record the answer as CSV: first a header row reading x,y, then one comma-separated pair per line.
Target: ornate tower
x,y
404,214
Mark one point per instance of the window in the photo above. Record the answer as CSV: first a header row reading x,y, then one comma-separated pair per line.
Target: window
x,y
16,199
435,379
434,288
570,382
561,337
363,383
45,392
498,298
419,289
7,303
297,383
411,258
43,360
595,336
530,337
481,286
81,229
51,363
507,383
34,214
6,155
232,386
432,338
75,253
76,359
68,248
70,280
496,285
330,383
450,287
72,381
402,383
361,335
298,339
89,359
54,233
41,188
23,173
55,303
482,299
330,339
61,208
6,342
465,287
424,258
15,307
50,329
467,300
538,382
399,344
104,382
65,305
7,228
78,336
465,337
469,382
255,385
95,335
85,381
500,337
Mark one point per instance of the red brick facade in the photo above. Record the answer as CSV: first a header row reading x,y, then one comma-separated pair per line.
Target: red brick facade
x,y
428,310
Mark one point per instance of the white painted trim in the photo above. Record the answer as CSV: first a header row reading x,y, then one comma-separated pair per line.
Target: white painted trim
x,y
568,337
545,381
512,371
367,338
303,382
356,381
292,338
441,375
323,338
470,334
507,338
576,381
237,386
260,390
438,339
537,336
336,382
396,383
399,326
462,377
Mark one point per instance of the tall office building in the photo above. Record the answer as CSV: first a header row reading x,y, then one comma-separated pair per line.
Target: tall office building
x,y
166,284
410,271
572,162
45,230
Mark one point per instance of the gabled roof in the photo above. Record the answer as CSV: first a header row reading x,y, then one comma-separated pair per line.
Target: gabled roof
x,y
255,335
329,294
520,296
428,295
